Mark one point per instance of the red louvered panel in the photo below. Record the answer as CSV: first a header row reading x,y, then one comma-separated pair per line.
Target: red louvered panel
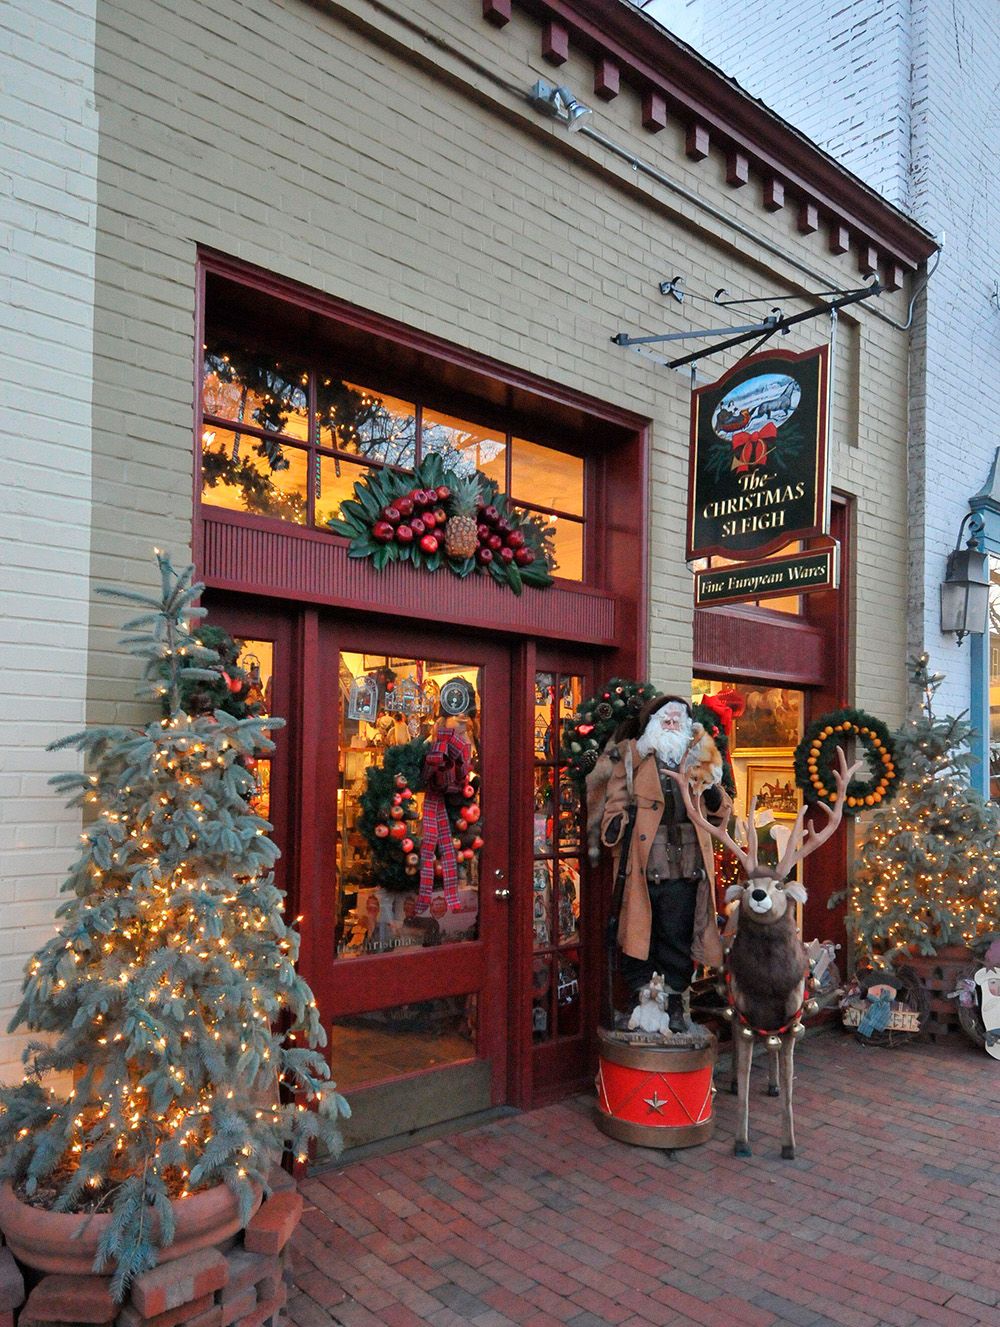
x,y
751,645
299,565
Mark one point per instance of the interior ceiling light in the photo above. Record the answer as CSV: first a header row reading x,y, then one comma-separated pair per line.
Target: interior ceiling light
x,y
560,104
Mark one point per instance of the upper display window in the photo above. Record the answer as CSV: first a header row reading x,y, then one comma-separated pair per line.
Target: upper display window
x,y
287,440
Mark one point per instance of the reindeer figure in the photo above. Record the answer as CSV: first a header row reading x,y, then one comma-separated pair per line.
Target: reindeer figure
x,y
767,965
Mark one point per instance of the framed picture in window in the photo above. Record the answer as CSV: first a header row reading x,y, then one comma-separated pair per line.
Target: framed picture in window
x,y
775,789
771,721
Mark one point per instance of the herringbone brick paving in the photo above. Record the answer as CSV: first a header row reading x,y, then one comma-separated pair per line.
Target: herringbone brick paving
x,y
889,1217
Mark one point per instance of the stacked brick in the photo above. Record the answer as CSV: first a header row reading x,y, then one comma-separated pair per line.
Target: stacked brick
x,y
241,1283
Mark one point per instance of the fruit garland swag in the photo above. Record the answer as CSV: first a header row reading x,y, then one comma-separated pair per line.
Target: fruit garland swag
x,y
390,819
434,517
815,754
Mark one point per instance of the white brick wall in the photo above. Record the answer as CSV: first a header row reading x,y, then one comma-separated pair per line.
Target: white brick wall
x,y
48,132
904,93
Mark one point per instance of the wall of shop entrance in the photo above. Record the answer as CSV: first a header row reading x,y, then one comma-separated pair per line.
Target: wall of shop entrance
x,y
788,670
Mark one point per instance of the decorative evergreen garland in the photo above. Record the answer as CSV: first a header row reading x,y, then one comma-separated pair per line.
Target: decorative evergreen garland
x,y
585,735
815,754
390,819
398,516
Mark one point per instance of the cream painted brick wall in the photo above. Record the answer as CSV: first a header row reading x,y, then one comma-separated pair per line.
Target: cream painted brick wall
x,y
338,146
323,150
927,141
48,132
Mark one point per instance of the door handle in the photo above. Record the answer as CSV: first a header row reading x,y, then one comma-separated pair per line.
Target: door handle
x,y
501,893
499,875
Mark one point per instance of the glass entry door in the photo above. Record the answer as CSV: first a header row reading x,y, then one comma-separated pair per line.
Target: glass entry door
x,y
410,888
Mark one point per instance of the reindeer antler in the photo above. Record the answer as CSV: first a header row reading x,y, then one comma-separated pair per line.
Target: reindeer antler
x,y
805,841
747,857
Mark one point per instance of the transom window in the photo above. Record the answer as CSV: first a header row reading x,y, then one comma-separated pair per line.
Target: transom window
x,y
287,440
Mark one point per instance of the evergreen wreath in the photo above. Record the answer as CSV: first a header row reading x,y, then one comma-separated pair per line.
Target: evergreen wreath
x,y
395,838
814,757
586,733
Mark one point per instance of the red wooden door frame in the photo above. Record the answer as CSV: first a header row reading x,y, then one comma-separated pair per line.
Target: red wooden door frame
x,y
368,982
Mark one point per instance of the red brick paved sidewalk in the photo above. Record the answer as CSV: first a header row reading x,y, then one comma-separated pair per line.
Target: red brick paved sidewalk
x,y
890,1215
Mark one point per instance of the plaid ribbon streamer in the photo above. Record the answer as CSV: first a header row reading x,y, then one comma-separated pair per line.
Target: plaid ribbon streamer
x,y
435,831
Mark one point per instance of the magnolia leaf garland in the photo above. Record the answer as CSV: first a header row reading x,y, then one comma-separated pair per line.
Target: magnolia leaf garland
x,y
816,753
399,516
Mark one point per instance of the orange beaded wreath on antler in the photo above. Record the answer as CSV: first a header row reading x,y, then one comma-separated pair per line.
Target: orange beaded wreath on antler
x,y
814,760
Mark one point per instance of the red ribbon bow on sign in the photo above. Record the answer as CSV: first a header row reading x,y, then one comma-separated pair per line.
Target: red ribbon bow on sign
x,y
752,448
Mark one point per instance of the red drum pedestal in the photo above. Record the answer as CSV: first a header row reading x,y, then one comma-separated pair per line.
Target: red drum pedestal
x,y
655,1096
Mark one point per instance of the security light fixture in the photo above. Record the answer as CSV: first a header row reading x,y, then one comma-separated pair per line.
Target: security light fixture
x,y
965,590
560,104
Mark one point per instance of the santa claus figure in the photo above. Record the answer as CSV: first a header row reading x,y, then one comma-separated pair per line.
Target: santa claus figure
x,y
667,922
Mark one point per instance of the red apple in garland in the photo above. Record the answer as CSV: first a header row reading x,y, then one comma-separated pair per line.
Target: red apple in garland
x,y
397,831
515,539
471,813
404,506
382,531
443,492
407,845
417,526
396,812
506,555
429,543
404,534
484,555
524,557
381,831
391,514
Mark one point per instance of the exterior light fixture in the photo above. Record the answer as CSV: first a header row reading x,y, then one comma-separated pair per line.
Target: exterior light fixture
x,y
560,104
965,590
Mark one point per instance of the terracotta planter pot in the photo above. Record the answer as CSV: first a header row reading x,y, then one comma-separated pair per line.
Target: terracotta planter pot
x,y
67,1241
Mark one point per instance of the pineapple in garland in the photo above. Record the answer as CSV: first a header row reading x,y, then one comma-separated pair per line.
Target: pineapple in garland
x,y
460,532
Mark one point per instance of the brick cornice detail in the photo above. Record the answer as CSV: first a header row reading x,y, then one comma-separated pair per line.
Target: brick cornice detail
x,y
695,92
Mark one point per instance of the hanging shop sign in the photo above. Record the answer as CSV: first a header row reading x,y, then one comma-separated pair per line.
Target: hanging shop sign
x,y
815,569
758,472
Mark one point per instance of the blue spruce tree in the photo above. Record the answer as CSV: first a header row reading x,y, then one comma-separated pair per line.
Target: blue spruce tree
x,y
171,986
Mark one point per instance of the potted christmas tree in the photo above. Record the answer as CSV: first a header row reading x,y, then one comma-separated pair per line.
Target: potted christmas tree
x,y
169,991
927,879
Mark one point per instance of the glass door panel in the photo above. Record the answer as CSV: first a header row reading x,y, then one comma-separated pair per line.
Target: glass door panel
x,y
393,713
556,879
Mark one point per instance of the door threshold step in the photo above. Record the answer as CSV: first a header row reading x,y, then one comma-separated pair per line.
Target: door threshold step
x,y
385,1146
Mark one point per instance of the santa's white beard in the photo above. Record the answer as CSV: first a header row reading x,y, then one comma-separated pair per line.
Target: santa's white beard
x,y
669,744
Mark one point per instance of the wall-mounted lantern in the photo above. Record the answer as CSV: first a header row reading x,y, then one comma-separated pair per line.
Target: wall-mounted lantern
x,y
965,590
